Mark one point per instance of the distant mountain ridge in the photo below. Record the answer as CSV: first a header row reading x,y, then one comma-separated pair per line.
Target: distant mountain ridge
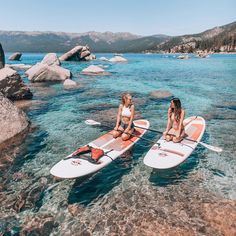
x,y
217,39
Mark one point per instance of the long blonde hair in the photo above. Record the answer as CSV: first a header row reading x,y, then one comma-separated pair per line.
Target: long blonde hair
x,y
124,97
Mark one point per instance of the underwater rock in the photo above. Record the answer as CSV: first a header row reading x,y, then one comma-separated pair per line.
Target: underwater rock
x,y
221,216
78,53
13,121
26,104
15,56
9,225
2,57
161,94
43,72
74,209
29,196
118,59
51,59
19,176
12,86
219,114
39,225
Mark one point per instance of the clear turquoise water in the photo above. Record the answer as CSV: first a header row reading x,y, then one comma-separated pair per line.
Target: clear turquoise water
x,y
206,87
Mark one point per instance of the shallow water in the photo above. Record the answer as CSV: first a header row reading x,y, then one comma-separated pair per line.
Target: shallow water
x,y
127,197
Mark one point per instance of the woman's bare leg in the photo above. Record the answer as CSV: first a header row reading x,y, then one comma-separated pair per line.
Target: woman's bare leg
x,y
126,136
168,137
117,133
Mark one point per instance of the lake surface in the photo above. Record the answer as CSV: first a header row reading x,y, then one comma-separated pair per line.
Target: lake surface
x,y
127,197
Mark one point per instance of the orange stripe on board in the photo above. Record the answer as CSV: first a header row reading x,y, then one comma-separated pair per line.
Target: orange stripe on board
x,y
103,139
119,144
197,132
140,122
172,151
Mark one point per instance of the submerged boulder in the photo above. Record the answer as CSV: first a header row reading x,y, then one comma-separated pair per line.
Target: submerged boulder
x,y
51,59
94,70
12,120
78,53
12,86
103,59
15,56
43,72
161,94
69,84
2,57
118,59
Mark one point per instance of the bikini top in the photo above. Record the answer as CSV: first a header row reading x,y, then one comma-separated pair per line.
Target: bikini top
x,y
126,111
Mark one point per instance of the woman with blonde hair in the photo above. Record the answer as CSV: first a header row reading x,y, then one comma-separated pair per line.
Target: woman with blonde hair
x,y
124,122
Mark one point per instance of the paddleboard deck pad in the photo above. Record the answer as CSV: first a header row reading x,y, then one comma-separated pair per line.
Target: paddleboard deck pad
x,y
165,155
74,167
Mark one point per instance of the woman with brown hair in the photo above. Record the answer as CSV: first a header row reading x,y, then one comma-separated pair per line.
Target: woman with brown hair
x,y
124,122
175,128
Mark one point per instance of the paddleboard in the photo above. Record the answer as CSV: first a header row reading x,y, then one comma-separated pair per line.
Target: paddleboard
x,y
76,167
165,155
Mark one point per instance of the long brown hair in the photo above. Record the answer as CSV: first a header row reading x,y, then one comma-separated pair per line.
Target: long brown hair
x,y
177,109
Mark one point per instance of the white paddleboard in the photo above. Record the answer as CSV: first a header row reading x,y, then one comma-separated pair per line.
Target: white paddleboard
x,y
169,154
77,167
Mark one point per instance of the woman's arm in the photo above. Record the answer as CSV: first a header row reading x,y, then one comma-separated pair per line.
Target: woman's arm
x,y
181,122
131,118
168,126
118,117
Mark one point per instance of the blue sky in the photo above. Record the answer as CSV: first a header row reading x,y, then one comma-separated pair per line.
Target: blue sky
x,y
143,17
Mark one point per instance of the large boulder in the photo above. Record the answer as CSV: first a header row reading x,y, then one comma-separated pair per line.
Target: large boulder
x,y
118,59
15,56
12,86
12,120
2,57
51,59
78,53
43,72
94,70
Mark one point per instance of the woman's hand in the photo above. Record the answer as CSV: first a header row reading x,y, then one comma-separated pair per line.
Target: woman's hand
x,y
126,130
177,135
116,128
165,133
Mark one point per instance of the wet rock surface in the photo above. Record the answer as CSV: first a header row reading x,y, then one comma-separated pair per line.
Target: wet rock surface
x,y
78,53
39,225
15,56
12,86
13,121
51,59
42,72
